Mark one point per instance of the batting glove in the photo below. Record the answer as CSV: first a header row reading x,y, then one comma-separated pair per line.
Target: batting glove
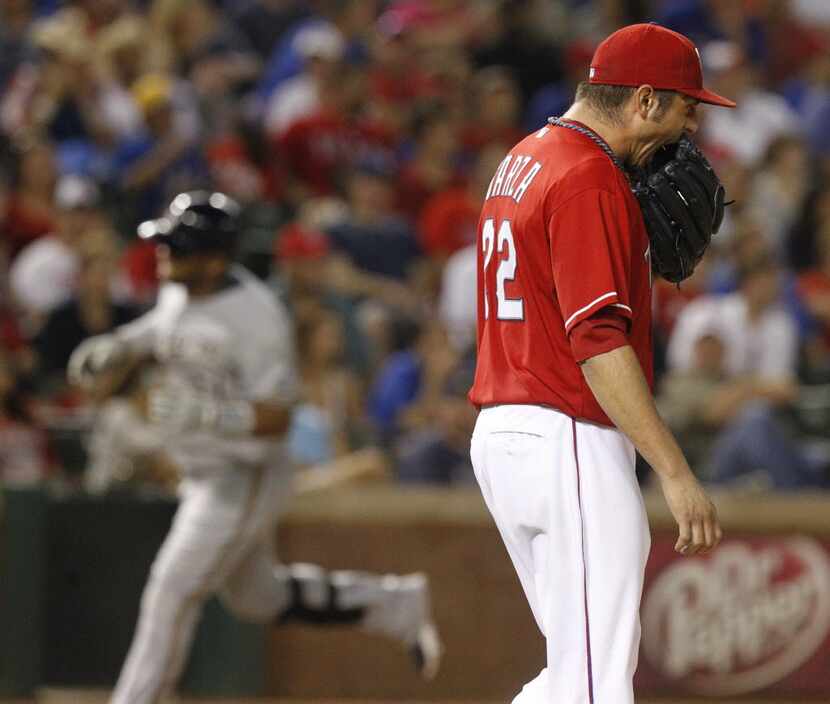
x,y
94,356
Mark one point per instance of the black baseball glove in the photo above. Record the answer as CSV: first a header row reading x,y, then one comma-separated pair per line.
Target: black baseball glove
x,y
682,202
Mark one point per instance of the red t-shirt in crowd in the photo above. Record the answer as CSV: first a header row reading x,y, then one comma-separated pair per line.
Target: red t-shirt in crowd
x,y
815,283
414,191
319,147
21,225
139,265
561,238
11,338
476,136
448,222
390,87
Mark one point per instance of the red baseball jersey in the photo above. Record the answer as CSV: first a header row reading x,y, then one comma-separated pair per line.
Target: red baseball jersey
x,y
560,237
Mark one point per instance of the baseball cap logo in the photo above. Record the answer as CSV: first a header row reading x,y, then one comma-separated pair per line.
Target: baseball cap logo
x,y
591,72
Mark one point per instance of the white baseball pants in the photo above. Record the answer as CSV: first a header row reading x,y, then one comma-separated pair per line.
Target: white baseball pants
x,y
221,541
565,498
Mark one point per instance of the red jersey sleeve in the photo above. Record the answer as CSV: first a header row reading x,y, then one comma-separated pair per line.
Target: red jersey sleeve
x,y
590,246
602,332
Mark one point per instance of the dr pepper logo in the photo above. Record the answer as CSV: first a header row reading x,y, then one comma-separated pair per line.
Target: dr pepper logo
x,y
741,619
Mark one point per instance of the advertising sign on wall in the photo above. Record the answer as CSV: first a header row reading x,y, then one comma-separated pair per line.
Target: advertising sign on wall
x,y
751,618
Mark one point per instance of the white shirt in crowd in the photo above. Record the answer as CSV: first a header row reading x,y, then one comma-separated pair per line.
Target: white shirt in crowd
x,y
22,455
765,348
747,130
812,12
297,98
457,306
43,275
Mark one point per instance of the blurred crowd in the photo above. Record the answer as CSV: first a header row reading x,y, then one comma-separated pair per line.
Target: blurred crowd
x,y
359,136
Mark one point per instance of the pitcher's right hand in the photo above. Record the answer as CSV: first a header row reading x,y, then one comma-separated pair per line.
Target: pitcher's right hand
x,y
696,515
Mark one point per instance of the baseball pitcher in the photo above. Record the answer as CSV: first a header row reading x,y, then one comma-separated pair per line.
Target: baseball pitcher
x,y
577,218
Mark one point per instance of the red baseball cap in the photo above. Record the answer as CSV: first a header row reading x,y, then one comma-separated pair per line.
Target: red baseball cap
x,y
649,54
297,242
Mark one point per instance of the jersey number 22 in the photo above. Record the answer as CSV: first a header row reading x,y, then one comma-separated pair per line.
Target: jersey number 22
x,y
506,308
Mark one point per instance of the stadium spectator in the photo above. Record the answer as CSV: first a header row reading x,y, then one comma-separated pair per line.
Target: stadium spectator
x,y
449,219
814,289
438,452
792,39
669,300
50,91
450,73
779,189
300,252
326,423
809,95
315,273
729,424
514,37
398,380
263,20
99,14
67,89
746,132
137,269
4,244
29,207
758,334
457,308
353,20
316,151
448,226
23,447
408,386
496,111
14,41
328,432
397,80
719,20
239,166
361,187
434,164
555,97
447,23
43,275
813,218
372,236
321,47
746,243
154,165
90,311
209,52
125,51
128,49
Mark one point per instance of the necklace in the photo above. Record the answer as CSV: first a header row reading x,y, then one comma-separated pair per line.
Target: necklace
x,y
590,134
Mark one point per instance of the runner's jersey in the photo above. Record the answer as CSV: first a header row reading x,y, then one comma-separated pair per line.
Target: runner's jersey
x,y
235,344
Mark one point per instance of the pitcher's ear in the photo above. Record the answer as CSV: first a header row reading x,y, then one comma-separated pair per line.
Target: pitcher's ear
x,y
646,99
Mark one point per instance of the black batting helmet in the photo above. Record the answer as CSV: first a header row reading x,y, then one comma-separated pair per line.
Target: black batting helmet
x,y
196,222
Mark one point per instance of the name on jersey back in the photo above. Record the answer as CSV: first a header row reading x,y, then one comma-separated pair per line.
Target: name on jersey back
x,y
513,177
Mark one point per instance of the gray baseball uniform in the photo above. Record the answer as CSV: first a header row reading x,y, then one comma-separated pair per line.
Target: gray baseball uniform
x,y
237,344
